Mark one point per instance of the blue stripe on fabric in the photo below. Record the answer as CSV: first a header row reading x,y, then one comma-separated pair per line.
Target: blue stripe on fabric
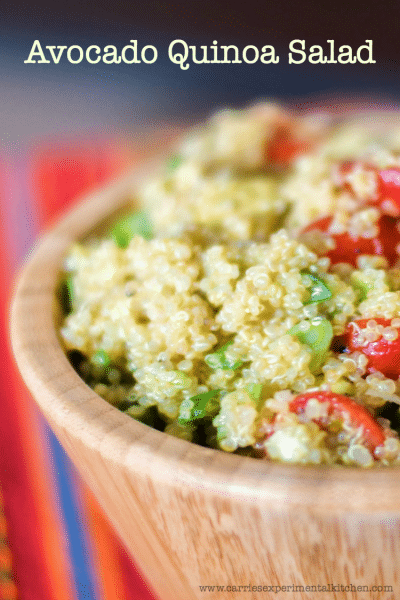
x,y
79,544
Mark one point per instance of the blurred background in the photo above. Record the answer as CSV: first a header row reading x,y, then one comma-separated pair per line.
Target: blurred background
x,y
44,99
66,128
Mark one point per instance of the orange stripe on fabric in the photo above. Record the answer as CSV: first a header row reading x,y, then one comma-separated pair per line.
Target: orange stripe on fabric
x,y
105,552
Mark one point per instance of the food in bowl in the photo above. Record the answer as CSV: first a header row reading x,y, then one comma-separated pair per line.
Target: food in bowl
x,y
252,303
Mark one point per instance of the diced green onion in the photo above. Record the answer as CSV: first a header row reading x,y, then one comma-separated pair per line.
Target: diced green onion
x,y
219,360
199,408
254,390
70,287
318,337
101,359
66,294
174,162
125,229
361,286
318,291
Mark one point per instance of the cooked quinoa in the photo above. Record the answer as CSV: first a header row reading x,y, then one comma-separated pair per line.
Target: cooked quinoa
x,y
253,302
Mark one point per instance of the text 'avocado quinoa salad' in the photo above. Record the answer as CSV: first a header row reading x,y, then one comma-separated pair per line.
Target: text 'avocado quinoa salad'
x,y
252,303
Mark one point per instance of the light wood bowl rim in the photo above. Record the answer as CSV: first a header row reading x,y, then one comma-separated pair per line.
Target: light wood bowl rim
x,y
67,401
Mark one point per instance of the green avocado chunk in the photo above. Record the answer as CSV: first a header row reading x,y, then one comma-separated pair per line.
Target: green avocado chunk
x,y
318,291
318,338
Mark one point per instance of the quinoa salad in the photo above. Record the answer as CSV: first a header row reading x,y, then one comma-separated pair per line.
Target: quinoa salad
x,y
250,301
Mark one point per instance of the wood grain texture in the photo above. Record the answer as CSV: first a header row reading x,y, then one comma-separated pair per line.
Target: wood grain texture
x,y
194,516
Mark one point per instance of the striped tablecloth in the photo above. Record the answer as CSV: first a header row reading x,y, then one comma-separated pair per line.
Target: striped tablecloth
x,y
55,543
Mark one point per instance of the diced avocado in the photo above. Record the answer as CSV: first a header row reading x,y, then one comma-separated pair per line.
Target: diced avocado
x,y
318,291
318,337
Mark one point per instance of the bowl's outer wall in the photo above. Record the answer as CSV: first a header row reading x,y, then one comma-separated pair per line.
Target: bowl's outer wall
x,y
193,516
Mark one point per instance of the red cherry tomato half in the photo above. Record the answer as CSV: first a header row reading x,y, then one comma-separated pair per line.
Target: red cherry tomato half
x,y
341,407
389,190
283,147
383,355
387,195
348,248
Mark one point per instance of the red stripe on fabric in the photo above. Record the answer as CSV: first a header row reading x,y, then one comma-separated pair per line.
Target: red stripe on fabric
x,y
136,586
62,172
13,471
40,572
18,495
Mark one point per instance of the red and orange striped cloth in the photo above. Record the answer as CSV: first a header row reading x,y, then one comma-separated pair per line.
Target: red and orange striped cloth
x,y
8,588
57,544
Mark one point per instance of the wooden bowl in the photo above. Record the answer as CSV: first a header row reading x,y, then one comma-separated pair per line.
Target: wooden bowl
x,y
193,516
